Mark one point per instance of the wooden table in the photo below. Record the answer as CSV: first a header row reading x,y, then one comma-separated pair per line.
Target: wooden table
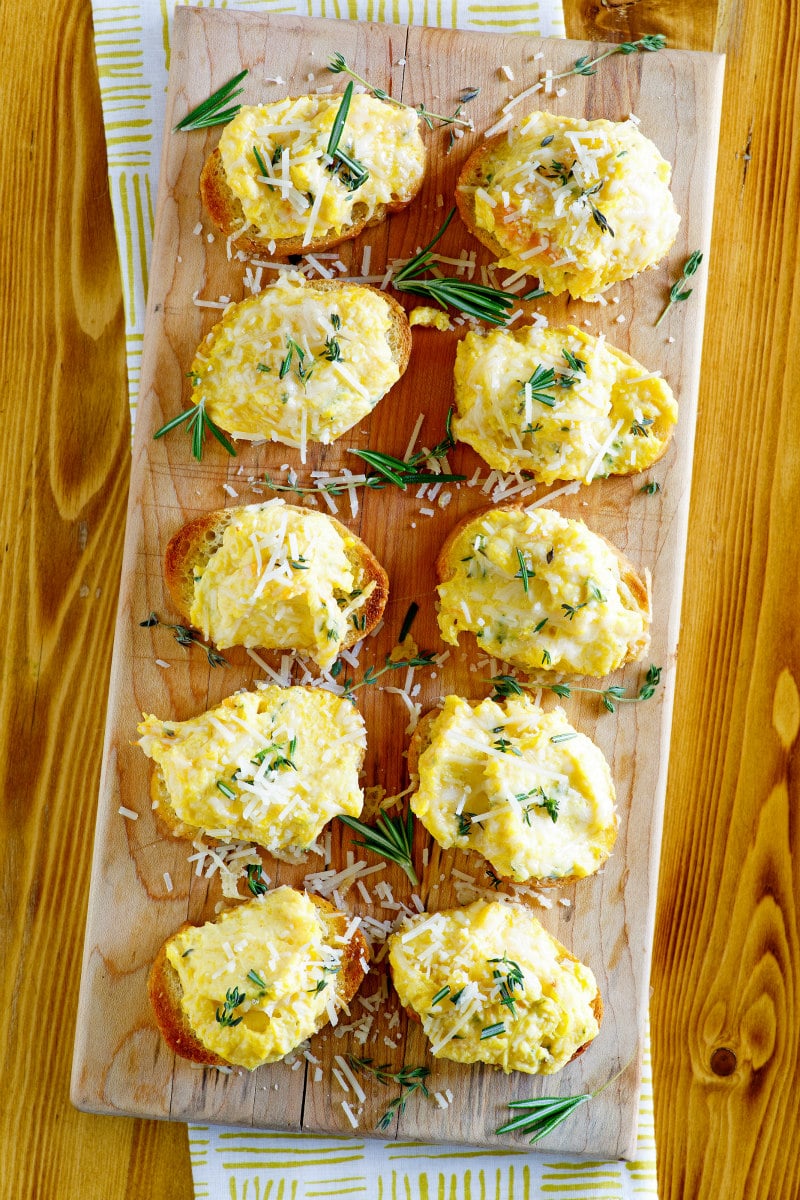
x,y
726,972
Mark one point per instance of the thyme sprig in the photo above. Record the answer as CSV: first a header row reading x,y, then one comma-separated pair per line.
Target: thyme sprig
x,y
679,290
507,685
586,65
373,673
412,1079
233,998
391,838
213,111
185,637
198,423
542,1115
338,65
474,299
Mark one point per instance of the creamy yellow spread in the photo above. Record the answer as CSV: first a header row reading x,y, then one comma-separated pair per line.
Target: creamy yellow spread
x,y
300,191
559,404
579,204
296,363
281,579
569,609
520,786
469,960
275,951
271,767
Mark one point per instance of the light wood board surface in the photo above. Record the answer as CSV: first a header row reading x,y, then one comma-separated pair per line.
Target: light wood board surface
x,y
66,469
120,1063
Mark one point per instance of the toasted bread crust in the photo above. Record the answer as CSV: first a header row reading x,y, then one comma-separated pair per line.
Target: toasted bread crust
x,y
165,992
194,543
446,569
225,211
473,174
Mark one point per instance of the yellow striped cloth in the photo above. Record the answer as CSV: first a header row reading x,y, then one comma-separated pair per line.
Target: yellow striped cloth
x,y
132,48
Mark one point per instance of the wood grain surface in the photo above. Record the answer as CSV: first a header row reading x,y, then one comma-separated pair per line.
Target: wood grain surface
x,y
726,972
120,1063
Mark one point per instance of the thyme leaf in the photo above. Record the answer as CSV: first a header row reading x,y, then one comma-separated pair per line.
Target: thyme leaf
x,y
185,637
679,292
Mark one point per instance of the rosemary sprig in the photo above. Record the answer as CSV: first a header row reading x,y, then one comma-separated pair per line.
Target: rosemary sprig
x,y
542,1115
391,838
402,473
586,65
233,998
198,422
338,66
474,299
679,291
507,685
185,637
412,1079
212,111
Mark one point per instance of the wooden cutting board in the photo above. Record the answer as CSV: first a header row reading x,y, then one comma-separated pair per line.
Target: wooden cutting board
x,y
121,1064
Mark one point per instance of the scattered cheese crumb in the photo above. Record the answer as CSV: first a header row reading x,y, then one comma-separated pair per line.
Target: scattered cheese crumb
x,y
507,72
128,813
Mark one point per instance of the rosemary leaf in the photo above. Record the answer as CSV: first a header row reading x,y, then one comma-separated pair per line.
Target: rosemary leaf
x,y
212,110
391,838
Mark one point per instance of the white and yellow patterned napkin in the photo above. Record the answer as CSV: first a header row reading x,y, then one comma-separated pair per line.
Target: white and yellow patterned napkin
x,y
132,47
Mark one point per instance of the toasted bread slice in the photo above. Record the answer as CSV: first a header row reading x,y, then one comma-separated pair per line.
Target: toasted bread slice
x,y
586,618
193,547
166,991
271,766
579,221
249,374
225,211
549,791
602,414
469,962
253,211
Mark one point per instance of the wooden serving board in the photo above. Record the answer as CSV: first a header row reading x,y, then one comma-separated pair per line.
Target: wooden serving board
x,y
121,1065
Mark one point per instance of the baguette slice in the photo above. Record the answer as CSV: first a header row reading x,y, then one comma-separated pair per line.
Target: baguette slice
x,y
593,642
189,551
476,947
625,225
251,768
238,374
166,992
524,842
225,211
